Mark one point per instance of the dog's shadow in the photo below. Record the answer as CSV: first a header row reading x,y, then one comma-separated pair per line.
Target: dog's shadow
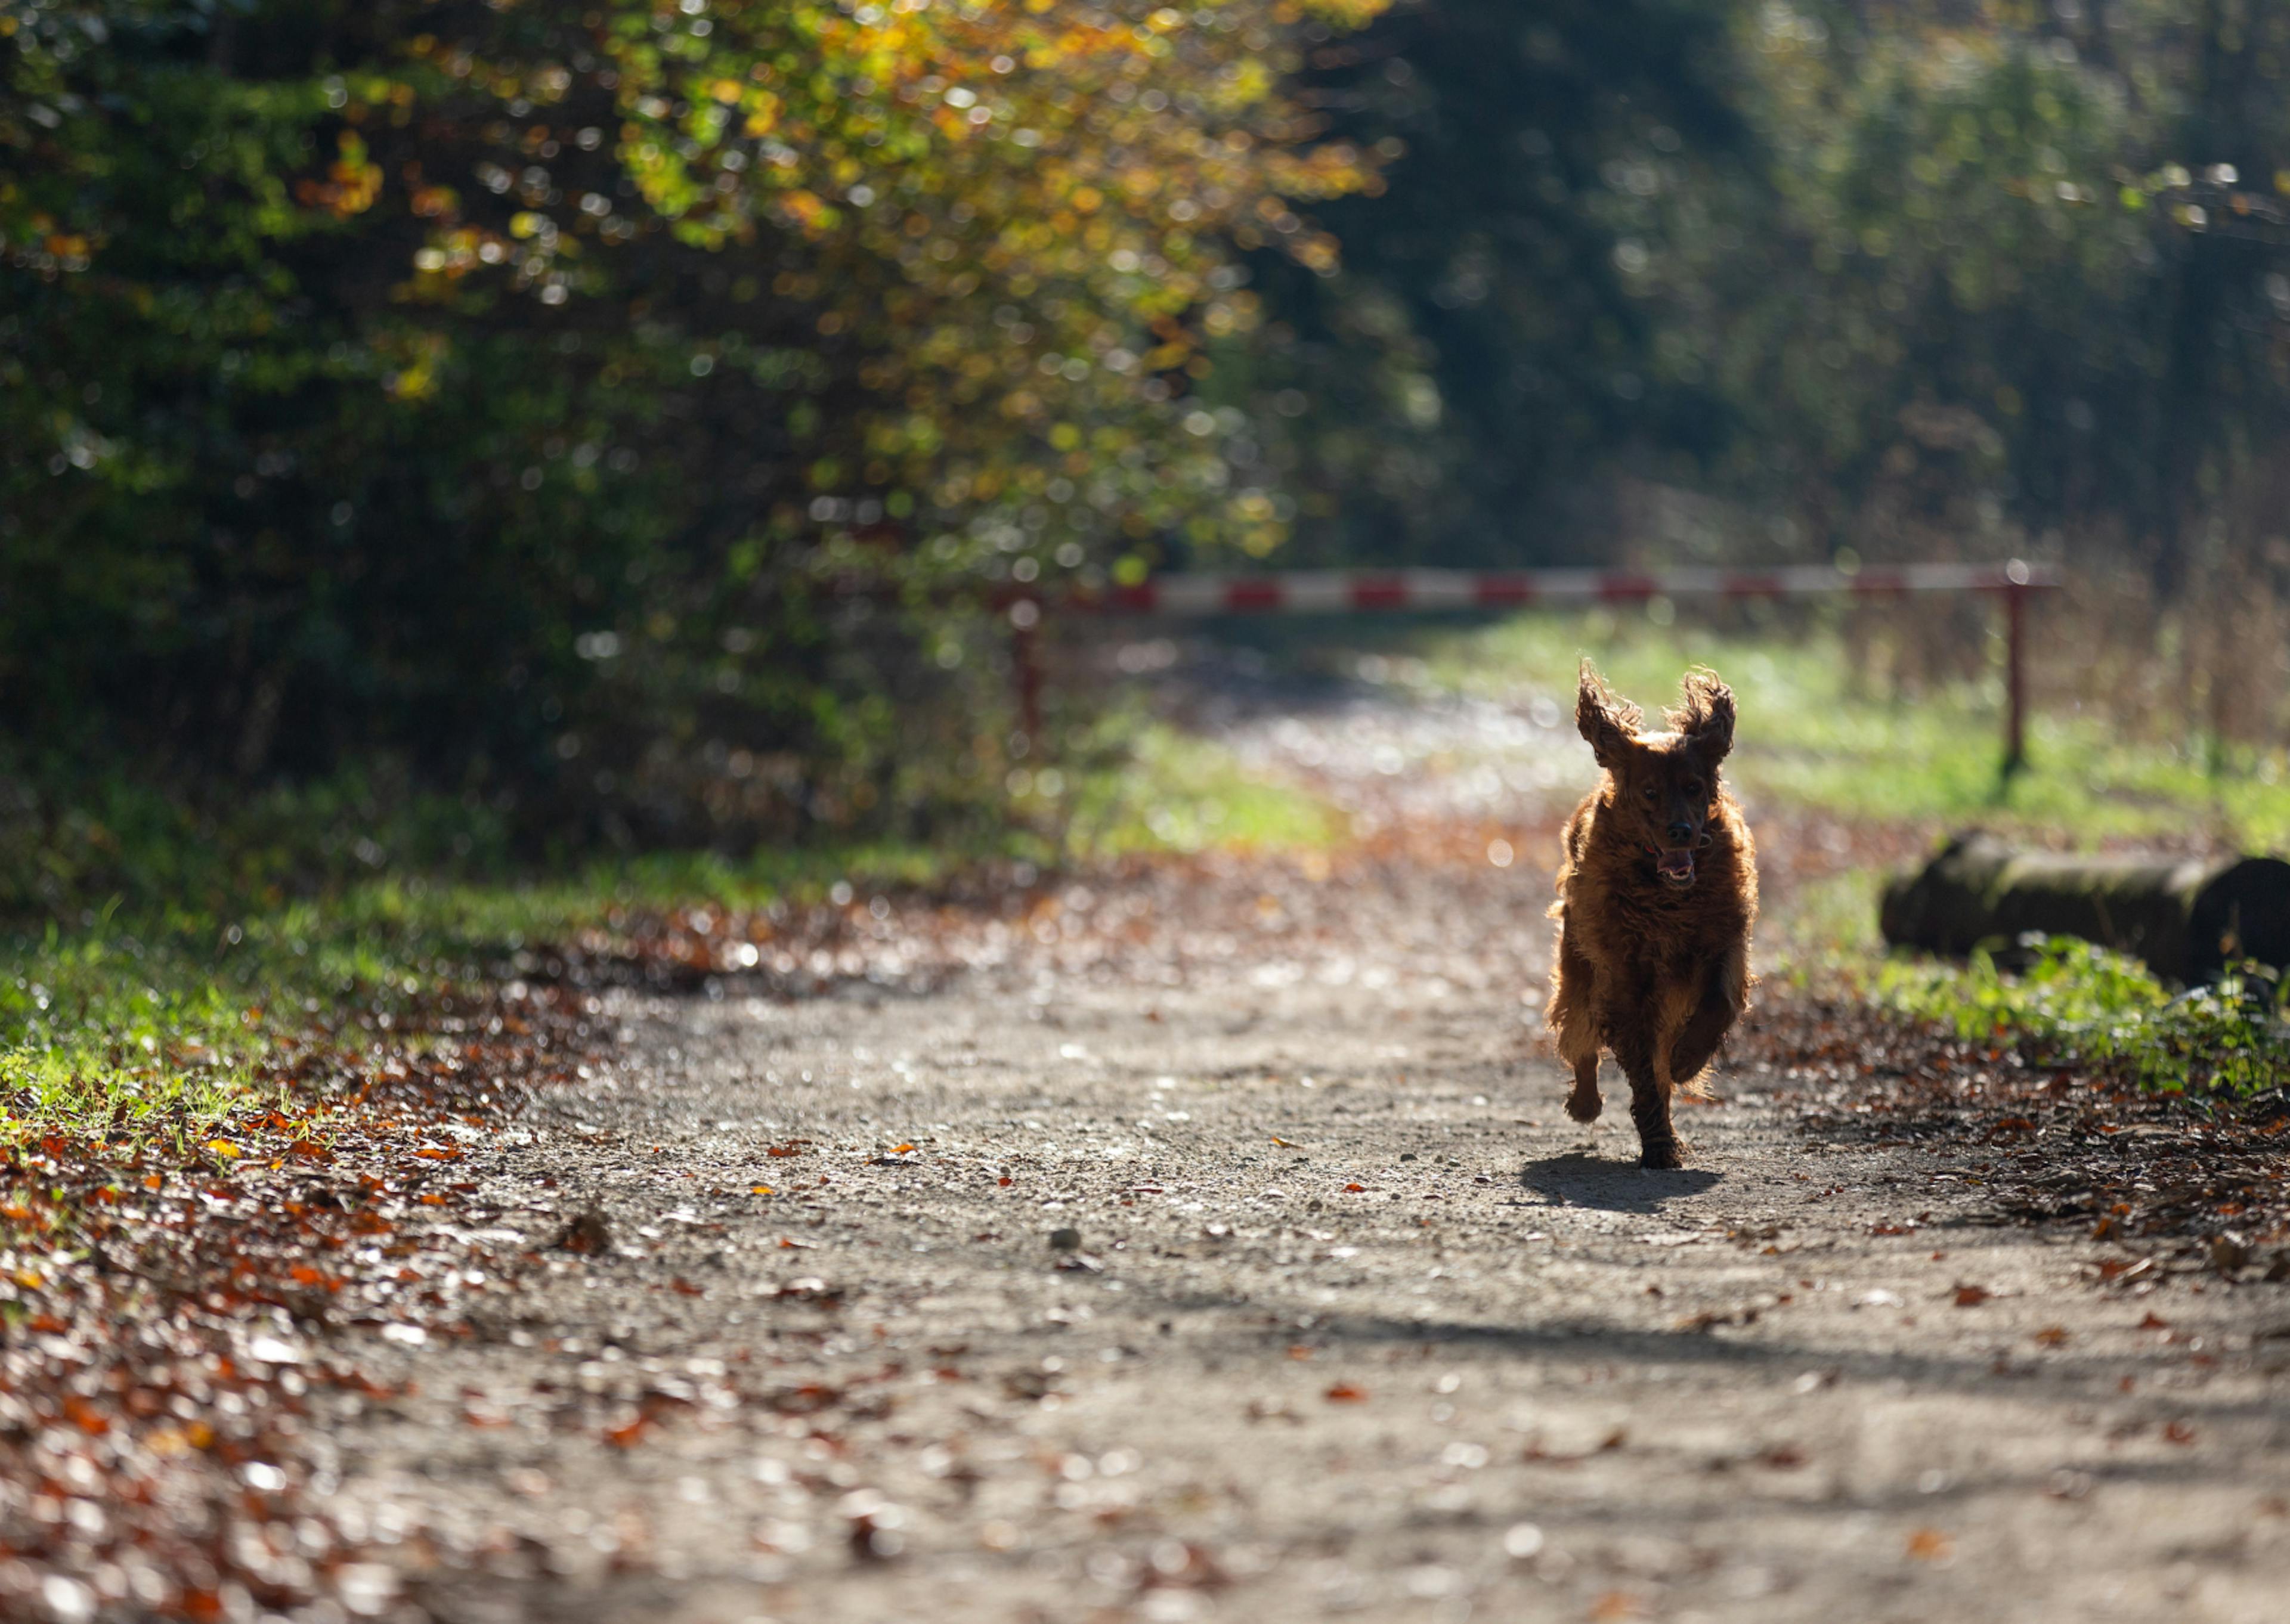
x,y
1580,1180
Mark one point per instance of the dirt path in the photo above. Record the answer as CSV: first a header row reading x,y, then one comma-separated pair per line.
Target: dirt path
x,y
1209,1245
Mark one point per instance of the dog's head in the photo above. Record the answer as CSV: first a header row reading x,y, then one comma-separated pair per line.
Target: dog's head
x,y
1665,784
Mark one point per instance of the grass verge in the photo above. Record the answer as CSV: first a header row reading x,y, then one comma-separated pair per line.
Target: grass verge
x,y
157,1023
1813,736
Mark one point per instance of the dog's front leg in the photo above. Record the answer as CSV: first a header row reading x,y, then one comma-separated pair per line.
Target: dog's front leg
x,y
1723,995
1642,1062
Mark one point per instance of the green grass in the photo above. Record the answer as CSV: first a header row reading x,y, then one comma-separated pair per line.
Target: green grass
x,y
1173,792
147,1021
150,1026
1811,738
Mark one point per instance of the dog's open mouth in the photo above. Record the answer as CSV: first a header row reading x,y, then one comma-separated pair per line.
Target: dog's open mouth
x,y
1676,867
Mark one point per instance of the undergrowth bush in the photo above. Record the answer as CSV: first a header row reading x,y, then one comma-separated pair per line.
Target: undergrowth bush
x,y
2074,1004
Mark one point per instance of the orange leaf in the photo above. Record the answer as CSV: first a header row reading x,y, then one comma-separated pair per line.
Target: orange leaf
x,y
901,1149
1930,1545
1345,1393
1972,1296
1355,1188
624,1437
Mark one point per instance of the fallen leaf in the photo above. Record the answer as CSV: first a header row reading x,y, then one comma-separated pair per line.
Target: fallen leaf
x,y
1930,1545
590,1232
626,1437
1345,1393
1972,1296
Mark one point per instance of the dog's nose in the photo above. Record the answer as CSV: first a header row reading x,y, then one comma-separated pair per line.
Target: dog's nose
x,y
1681,832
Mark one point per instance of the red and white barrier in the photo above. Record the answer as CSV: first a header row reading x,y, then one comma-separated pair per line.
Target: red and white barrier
x,y
1347,591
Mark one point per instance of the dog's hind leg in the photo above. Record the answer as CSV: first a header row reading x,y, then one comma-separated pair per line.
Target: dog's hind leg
x,y
1569,1014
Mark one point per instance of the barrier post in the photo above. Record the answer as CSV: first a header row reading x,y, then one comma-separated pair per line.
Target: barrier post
x,y
2015,667
1026,667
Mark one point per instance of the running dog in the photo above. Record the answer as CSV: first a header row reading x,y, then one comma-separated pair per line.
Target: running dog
x,y
1657,891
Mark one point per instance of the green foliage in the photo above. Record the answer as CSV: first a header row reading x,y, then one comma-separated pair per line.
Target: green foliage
x,y
1904,280
2077,1004
618,417
1492,338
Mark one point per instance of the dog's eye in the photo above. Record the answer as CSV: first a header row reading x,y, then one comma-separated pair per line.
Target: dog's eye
x,y
1695,787
1648,792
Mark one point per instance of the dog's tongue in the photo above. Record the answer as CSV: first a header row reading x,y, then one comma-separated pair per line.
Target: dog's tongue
x,y
1675,865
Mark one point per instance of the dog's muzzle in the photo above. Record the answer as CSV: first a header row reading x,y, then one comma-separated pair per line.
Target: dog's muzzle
x,y
1675,867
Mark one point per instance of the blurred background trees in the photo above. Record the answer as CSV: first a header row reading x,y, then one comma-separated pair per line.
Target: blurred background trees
x,y
615,419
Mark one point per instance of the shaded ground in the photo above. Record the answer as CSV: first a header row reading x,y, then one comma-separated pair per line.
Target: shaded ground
x,y
1194,1240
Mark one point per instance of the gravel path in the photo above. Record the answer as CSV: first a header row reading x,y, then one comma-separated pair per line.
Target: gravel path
x,y
1209,1243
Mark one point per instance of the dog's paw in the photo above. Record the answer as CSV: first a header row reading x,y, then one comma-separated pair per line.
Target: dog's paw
x,y
1665,1153
1584,1104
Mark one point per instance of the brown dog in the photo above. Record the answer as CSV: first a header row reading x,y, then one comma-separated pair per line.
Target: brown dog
x,y
1657,894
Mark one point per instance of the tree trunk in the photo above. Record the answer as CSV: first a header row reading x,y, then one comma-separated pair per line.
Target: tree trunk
x,y
2188,917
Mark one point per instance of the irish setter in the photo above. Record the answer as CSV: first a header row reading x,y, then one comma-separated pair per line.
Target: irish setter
x,y
1657,890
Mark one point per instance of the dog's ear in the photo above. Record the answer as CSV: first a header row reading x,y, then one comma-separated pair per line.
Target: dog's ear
x,y
1607,721
1705,714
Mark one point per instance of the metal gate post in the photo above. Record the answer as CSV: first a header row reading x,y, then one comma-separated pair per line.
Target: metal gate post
x,y
1026,668
2015,667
